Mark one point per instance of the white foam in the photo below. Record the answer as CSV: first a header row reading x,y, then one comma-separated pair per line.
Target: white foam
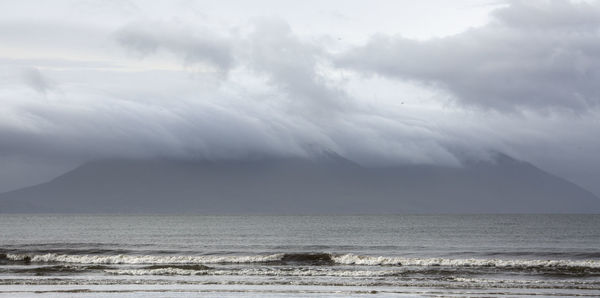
x,y
160,271
145,259
346,259
257,272
351,259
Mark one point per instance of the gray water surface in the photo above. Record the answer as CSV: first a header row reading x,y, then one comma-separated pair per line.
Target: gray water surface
x,y
392,253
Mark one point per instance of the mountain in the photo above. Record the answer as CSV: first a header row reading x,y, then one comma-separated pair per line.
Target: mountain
x,y
329,184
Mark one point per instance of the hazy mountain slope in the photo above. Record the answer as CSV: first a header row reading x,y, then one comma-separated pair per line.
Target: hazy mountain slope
x,y
328,185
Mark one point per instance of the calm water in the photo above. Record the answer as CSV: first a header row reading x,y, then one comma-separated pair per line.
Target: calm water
x,y
488,255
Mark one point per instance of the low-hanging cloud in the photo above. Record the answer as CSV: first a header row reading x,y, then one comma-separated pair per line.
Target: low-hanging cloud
x,y
218,122
298,104
264,90
538,55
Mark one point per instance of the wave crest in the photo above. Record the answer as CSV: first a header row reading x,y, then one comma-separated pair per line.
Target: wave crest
x,y
352,259
144,259
311,259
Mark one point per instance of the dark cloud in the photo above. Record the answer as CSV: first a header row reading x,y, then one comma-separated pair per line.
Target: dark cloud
x,y
549,15
539,55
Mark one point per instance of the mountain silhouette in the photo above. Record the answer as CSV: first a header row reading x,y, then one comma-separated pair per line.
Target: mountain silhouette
x,y
326,184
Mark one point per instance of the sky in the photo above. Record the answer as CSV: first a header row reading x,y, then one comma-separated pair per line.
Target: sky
x,y
381,83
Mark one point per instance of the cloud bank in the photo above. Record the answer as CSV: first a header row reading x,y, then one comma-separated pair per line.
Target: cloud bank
x,y
534,55
146,87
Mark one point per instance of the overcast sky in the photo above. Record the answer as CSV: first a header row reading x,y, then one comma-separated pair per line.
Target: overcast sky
x,y
379,82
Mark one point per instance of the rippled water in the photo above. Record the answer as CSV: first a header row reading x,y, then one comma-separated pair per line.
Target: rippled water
x,y
489,255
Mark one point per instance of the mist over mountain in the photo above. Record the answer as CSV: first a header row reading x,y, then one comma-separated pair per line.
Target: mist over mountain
x,y
327,184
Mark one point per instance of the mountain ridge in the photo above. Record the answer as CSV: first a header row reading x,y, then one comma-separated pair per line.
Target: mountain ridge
x,y
326,184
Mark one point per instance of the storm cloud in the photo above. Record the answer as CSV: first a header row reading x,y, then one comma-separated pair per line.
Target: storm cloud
x,y
150,85
534,54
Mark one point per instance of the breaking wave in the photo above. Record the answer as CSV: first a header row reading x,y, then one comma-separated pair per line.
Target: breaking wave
x,y
351,259
306,259
259,271
143,259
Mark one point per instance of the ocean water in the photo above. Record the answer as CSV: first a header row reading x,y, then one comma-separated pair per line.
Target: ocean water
x,y
217,256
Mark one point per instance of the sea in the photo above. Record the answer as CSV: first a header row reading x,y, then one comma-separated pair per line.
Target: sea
x,y
299,256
